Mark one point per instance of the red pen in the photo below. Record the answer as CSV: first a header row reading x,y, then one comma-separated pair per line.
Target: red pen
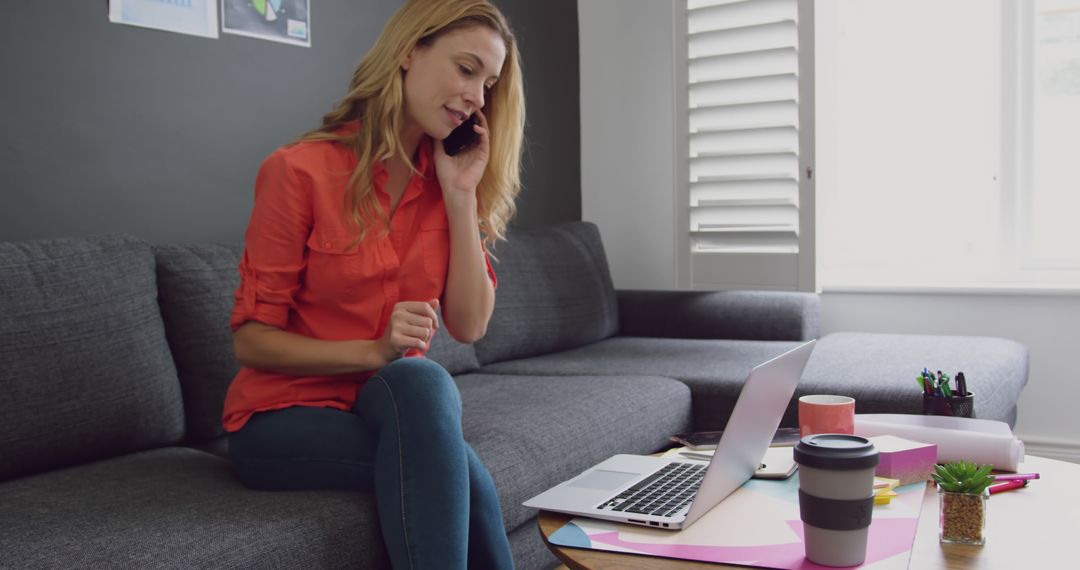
x,y
1008,486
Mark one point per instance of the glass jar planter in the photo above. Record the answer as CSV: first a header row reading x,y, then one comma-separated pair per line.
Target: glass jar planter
x,y
962,517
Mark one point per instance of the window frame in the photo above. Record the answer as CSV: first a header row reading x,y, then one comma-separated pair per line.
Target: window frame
x,y
776,271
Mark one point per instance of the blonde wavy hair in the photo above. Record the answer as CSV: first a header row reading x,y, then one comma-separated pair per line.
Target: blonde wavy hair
x,y
376,97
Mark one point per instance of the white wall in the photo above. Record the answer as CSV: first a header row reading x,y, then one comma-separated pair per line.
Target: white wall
x,y
627,146
627,136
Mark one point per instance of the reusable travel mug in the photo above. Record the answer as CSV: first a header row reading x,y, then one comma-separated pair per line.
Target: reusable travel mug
x,y
836,496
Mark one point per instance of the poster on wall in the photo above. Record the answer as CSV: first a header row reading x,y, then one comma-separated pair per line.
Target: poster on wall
x,y
194,17
286,21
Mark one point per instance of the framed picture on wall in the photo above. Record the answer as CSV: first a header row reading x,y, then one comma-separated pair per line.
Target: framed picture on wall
x,y
193,17
285,21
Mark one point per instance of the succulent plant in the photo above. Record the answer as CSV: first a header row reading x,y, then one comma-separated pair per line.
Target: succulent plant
x,y
962,477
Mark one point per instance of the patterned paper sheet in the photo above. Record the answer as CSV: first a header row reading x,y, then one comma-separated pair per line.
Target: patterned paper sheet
x,y
758,525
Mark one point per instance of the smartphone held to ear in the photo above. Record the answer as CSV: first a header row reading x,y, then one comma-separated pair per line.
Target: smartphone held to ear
x,y
462,137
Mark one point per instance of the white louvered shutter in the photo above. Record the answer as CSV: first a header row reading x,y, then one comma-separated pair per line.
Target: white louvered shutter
x,y
749,144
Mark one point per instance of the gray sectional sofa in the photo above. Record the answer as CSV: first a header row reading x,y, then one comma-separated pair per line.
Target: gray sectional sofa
x,y
115,357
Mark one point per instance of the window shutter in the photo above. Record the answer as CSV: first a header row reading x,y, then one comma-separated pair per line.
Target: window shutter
x,y
747,144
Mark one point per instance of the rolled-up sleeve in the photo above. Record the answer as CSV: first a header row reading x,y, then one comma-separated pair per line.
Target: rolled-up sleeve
x,y
274,245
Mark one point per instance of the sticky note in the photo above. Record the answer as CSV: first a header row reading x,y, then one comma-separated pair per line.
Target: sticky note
x,y
903,459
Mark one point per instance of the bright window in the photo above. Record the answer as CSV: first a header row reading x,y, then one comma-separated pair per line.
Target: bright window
x,y
1050,104
947,139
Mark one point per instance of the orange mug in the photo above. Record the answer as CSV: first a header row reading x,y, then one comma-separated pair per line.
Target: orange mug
x,y
826,414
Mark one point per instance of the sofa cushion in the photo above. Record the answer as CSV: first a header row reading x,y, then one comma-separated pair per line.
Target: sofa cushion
x,y
85,370
714,370
535,432
180,508
555,293
455,357
877,370
195,291
529,550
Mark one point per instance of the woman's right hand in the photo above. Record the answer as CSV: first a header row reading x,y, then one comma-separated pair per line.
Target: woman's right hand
x,y
412,325
265,347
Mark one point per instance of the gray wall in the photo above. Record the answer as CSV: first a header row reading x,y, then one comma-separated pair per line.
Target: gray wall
x,y
112,128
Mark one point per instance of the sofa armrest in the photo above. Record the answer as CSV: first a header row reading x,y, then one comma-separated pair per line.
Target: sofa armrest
x,y
737,315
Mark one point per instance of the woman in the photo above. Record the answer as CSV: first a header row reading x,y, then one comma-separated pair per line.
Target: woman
x,y
361,232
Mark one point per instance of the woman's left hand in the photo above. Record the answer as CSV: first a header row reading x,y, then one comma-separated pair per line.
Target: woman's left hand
x,y
459,175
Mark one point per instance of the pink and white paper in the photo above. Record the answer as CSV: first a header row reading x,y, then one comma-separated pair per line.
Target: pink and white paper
x,y
758,525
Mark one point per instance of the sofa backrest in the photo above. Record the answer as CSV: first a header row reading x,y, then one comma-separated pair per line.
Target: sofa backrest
x,y
455,357
85,371
196,286
555,292
195,292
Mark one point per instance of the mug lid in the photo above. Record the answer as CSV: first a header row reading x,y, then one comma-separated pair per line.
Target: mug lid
x,y
836,451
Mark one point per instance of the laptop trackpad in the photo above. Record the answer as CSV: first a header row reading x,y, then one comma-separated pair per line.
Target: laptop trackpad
x,y
604,480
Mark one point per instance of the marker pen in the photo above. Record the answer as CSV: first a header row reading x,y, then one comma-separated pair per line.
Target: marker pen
x,y
1016,477
1007,486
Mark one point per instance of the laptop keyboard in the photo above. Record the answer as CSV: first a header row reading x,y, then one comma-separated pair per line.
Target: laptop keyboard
x,y
664,493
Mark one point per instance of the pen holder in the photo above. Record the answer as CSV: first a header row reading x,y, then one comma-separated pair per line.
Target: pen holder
x,y
957,406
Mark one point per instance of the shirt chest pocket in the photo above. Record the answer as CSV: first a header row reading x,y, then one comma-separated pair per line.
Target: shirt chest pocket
x,y
335,265
435,239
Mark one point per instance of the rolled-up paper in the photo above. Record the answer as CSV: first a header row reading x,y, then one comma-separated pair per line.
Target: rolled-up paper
x,y
981,441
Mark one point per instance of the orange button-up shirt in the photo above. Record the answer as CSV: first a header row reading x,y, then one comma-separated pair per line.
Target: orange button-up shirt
x,y
299,273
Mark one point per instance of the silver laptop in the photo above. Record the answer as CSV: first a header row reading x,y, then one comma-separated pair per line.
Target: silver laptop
x,y
673,493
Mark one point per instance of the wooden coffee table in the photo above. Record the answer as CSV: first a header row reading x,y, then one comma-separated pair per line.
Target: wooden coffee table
x,y
1034,527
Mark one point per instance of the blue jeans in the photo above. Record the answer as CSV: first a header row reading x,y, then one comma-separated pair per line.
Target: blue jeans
x,y
437,503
